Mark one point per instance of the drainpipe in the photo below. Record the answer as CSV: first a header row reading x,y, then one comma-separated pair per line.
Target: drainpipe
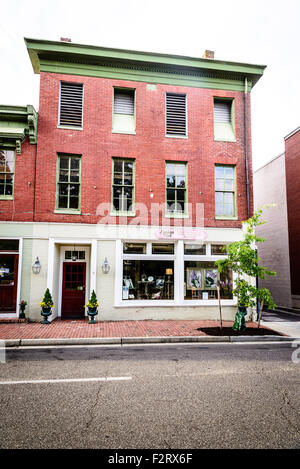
x,y
246,146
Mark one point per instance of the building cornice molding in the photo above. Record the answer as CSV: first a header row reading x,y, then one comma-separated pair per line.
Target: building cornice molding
x,y
61,57
17,123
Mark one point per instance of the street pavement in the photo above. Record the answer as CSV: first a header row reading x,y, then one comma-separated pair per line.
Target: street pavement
x,y
237,395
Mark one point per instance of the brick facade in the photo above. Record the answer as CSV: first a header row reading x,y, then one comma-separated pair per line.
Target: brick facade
x,y
292,166
149,147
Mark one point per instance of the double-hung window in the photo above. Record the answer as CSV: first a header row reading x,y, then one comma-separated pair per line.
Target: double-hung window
x,y
68,183
225,191
176,188
224,128
71,105
7,163
123,110
122,186
176,115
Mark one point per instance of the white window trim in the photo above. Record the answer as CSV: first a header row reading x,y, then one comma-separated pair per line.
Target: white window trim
x,y
178,258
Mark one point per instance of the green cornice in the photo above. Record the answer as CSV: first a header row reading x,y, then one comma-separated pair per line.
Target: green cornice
x,y
16,123
76,59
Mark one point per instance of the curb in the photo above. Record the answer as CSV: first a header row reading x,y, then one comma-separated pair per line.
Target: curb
x,y
146,340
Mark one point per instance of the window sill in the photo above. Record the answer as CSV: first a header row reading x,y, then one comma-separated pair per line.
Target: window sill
x,y
67,212
6,197
183,137
176,215
124,132
66,127
122,214
232,140
225,218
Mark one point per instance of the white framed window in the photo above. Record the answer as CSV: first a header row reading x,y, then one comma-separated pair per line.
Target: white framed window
x,y
162,274
123,111
224,120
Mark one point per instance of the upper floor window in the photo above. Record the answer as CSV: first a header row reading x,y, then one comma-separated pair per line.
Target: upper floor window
x,y
71,105
225,191
68,183
124,111
7,164
122,186
224,128
176,115
176,188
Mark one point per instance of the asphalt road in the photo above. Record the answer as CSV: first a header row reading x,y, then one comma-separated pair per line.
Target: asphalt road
x,y
170,396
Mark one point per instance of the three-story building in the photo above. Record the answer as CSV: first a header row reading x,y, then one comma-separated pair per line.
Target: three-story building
x,y
139,174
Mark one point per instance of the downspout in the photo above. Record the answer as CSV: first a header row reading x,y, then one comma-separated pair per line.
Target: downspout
x,y
34,183
246,146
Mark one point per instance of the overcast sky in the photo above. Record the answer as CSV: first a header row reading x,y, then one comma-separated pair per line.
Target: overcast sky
x,y
258,31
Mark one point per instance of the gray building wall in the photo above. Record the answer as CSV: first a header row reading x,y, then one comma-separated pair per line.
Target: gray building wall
x,y
270,188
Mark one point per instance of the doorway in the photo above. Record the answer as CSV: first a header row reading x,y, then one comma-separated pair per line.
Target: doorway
x,y
8,282
73,290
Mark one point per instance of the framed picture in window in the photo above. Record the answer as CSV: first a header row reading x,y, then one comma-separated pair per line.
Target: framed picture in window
x,y
210,278
194,279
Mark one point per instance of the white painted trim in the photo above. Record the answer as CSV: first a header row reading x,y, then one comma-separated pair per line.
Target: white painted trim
x,y
118,273
93,268
87,249
18,299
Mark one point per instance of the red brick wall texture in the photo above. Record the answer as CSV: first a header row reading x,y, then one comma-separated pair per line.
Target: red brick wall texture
x,y
292,166
97,145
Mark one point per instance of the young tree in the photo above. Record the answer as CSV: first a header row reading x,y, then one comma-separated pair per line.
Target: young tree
x,y
243,260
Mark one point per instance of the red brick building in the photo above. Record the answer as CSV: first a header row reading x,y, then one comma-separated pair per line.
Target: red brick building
x,y
141,159
280,252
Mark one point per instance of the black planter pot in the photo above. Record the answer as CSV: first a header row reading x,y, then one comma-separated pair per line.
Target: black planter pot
x,y
92,312
45,313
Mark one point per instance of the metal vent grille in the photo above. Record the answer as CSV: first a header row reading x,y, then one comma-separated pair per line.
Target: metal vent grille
x,y
222,111
124,102
71,101
175,114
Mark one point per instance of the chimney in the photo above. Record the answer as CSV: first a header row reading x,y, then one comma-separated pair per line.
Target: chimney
x,y
208,54
65,39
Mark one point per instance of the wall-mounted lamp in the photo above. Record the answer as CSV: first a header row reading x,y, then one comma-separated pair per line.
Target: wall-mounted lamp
x,y
105,266
36,268
74,255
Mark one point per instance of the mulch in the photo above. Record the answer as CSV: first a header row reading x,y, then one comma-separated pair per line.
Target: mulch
x,y
228,331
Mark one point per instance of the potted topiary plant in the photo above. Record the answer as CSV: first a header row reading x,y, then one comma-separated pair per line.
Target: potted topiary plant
x,y
46,304
243,260
92,306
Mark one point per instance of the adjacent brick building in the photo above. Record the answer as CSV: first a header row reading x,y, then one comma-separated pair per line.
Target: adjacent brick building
x,y
141,159
278,183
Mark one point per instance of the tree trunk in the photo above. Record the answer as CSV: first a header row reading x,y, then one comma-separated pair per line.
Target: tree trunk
x,y
260,311
220,309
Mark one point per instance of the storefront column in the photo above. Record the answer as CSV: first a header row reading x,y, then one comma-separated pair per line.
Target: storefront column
x,y
179,273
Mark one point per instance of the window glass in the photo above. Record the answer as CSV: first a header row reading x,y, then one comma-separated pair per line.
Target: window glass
x,y
225,191
195,249
7,158
134,248
148,280
162,248
68,182
201,280
218,249
176,188
123,185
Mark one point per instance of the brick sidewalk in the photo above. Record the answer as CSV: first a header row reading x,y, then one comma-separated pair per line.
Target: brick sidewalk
x,y
82,329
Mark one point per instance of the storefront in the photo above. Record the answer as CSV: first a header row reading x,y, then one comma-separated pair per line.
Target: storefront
x,y
9,268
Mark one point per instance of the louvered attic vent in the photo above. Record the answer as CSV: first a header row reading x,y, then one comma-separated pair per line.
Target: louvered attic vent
x,y
124,102
175,114
222,111
71,100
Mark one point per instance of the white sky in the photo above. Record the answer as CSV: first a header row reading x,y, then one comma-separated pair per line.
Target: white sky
x,y
257,31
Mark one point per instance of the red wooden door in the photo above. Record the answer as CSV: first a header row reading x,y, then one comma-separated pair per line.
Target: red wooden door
x,y
8,282
73,290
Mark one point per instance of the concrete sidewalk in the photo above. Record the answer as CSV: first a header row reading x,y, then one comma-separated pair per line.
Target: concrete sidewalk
x,y
80,332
